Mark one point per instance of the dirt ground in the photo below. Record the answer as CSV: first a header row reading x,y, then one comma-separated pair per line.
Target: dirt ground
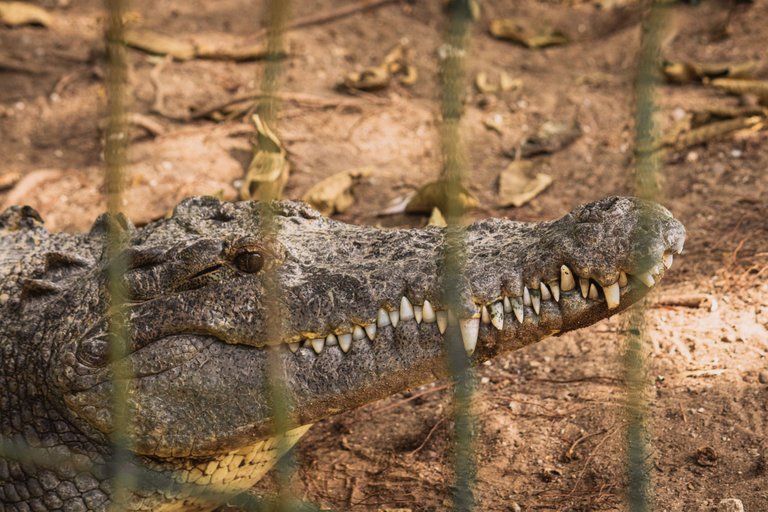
x,y
551,422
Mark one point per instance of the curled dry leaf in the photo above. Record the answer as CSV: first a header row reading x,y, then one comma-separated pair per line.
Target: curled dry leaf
x,y
15,14
682,72
396,64
518,31
506,83
519,183
550,137
436,194
334,193
269,168
160,44
757,87
710,131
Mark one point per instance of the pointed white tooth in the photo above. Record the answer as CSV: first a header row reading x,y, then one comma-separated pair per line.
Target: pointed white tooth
x,y
428,313
417,314
370,330
612,295
566,279
406,309
623,279
470,328
545,295
584,285
485,317
667,259
646,278
526,296
358,333
507,305
518,309
382,318
345,342
593,292
536,301
296,345
394,316
555,288
442,321
318,344
497,314
331,340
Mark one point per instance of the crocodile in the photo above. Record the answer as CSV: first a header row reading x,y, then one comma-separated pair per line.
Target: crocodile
x,y
357,313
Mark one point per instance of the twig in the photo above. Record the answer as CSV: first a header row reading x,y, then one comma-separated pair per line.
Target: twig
x,y
608,434
568,455
413,397
325,17
429,435
690,300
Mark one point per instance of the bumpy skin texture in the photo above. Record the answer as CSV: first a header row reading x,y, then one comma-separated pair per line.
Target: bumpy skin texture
x,y
198,334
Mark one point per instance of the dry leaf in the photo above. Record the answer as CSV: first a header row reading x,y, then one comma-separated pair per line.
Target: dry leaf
x,y
369,79
15,14
215,49
550,137
518,183
269,168
711,131
507,83
757,87
435,194
682,72
482,84
518,31
9,179
334,193
160,44
396,63
494,123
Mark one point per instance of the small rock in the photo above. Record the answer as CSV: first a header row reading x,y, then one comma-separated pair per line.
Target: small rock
x,y
514,507
730,505
763,377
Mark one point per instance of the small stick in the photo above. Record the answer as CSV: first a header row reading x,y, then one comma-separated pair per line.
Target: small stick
x,y
429,435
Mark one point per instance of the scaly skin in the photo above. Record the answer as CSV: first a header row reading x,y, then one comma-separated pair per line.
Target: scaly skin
x,y
197,294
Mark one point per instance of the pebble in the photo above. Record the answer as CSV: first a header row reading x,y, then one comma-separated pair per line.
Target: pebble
x,y
730,505
514,507
763,377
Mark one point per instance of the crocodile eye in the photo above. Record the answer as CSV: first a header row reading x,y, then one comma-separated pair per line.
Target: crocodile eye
x,y
94,352
250,262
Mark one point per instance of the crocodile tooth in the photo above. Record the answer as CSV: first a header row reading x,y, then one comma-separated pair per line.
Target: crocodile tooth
x,y
345,341
526,296
507,305
536,302
406,309
623,279
470,328
497,314
428,313
296,345
394,316
612,295
318,344
442,321
418,314
566,279
331,340
358,333
484,316
667,259
382,318
518,309
646,278
555,291
545,295
592,294
370,330
584,285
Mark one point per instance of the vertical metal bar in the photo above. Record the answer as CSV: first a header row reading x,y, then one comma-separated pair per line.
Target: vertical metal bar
x,y
454,166
647,186
115,156
277,13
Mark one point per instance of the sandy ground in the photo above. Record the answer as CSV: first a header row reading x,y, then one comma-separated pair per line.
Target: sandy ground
x,y
551,422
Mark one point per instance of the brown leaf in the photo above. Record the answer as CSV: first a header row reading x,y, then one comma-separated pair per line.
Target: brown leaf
x,y
269,168
682,72
436,194
437,219
520,32
334,193
160,44
551,137
519,183
9,179
15,14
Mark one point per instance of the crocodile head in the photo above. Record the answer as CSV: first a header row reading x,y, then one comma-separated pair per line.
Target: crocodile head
x,y
348,314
